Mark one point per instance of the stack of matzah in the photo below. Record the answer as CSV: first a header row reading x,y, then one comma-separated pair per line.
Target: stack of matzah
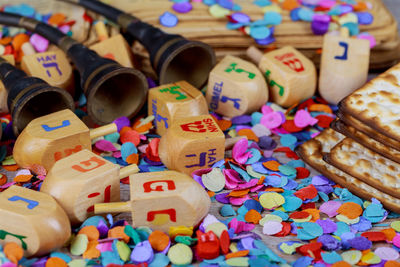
x,y
363,154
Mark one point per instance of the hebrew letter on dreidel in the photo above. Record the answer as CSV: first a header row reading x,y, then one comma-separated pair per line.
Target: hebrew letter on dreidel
x,y
161,118
52,65
107,197
233,67
159,186
98,162
202,160
4,234
295,64
31,203
151,215
346,47
235,101
196,127
59,155
48,128
173,90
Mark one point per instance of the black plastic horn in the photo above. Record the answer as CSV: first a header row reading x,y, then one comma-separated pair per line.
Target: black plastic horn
x,y
173,57
30,97
111,90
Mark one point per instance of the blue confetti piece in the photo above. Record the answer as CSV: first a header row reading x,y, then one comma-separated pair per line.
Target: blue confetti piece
x,y
281,214
287,170
259,32
331,257
265,41
168,19
227,210
111,159
234,26
256,118
110,257
60,255
294,14
127,149
242,210
354,29
296,163
306,14
252,204
160,260
341,228
113,138
309,231
303,261
219,164
273,18
209,2
262,3
292,203
275,181
241,172
256,262
292,184
256,156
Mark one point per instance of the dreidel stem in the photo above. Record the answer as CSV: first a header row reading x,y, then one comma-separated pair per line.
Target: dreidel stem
x,y
254,54
103,130
115,207
128,170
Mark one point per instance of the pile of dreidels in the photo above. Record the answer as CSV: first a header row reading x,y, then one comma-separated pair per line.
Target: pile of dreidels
x,y
362,150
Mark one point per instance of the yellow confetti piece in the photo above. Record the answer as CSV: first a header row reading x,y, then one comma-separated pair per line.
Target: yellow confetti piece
x,y
180,230
349,17
270,217
271,200
218,12
371,258
289,249
344,219
217,228
395,225
180,254
303,220
239,261
352,256
272,8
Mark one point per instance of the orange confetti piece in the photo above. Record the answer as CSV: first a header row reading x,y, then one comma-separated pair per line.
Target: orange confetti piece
x,y
252,216
124,130
13,252
274,189
3,179
56,19
390,233
211,193
137,126
341,264
320,107
132,159
5,40
118,232
23,178
350,209
240,253
392,264
360,6
261,180
290,4
239,193
91,232
19,40
130,136
11,168
314,213
248,133
224,124
92,252
56,262
272,165
158,240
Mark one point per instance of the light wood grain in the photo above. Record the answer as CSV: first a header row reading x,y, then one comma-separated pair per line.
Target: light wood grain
x,y
173,101
33,220
236,87
192,143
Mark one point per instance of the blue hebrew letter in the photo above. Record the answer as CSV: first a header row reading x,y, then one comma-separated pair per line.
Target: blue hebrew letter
x,y
31,203
346,47
49,129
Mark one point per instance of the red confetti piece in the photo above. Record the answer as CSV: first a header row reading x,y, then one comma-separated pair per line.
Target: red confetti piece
x,y
374,236
324,121
289,126
306,104
285,230
225,242
299,215
130,136
152,150
302,173
310,205
308,192
312,250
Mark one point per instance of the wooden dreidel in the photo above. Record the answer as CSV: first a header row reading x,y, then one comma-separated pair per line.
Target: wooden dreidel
x,y
344,66
83,179
291,76
3,91
50,138
161,200
236,87
174,101
192,143
33,220
115,48
53,67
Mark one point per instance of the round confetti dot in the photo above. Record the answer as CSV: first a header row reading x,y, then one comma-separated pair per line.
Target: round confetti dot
x,y
387,253
365,18
182,7
240,17
180,254
168,19
142,252
259,32
158,240
352,256
271,120
272,18
272,227
218,12
271,200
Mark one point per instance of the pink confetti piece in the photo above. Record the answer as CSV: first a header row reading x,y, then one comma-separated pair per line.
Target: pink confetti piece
x,y
249,184
256,188
238,201
272,120
272,227
302,119
117,154
239,151
386,253
105,246
7,185
330,208
104,145
268,153
396,240
266,109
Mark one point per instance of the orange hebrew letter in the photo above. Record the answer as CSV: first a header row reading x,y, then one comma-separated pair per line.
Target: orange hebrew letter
x,y
151,215
159,186
98,162
59,155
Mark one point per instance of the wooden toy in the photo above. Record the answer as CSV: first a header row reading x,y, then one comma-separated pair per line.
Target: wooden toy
x,y
173,57
192,143
79,181
290,75
174,101
33,220
161,200
111,90
53,67
236,87
344,66
50,138
115,48
3,91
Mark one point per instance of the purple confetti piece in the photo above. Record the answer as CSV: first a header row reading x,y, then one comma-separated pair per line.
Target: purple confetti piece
x,y
121,122
243,119
360,243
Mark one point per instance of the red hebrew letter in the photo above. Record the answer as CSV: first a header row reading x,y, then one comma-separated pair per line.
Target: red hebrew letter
x,y
159,186
294,64
151,215
196,127
67,152
98,162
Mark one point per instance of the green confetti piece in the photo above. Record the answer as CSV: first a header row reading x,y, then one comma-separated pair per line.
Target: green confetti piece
x,y
238,261
123,250
79,245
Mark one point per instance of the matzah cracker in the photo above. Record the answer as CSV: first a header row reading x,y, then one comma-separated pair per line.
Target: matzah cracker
x,y
312,152
377,103
366,141
366,165
349,120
